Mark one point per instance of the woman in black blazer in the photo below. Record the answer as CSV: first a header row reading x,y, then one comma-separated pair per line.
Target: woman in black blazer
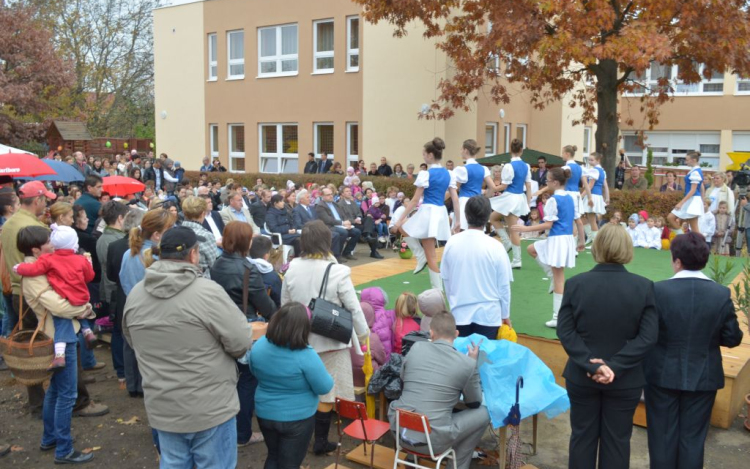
x,y
607,324
278,220
684,370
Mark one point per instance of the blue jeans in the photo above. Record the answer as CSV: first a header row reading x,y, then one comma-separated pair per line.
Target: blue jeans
x,y
118,362
58,404
286,442
246,386
64,331
10,318
215,448
88,360
382,229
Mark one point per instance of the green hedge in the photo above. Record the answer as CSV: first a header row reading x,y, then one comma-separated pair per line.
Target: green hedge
x,y
657,204
279,180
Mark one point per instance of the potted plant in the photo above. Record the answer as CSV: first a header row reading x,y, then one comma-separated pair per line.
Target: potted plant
x,y
403,251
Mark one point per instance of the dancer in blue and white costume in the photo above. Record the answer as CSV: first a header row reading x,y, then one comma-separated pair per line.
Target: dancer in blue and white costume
x,y
471,176
690,208
513,203
431,221
596,204
558,251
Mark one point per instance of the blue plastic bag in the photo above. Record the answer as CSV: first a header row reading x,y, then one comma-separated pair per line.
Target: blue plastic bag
x,y
501,363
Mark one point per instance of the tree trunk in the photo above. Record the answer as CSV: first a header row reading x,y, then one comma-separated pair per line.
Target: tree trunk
x,y
607,126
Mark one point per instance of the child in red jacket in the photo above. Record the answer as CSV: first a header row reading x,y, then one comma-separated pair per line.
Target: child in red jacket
x,y
406,313
67,273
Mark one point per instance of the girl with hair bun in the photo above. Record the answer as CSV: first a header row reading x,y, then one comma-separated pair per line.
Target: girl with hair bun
x,y
596,203
558,251
471,176
430,222
513,203
690,208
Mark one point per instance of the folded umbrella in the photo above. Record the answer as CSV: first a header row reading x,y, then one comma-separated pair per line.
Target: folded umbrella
x,y
119,186
64,172
18,165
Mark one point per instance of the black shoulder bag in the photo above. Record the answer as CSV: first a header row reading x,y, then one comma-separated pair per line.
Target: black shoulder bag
x,y
329,319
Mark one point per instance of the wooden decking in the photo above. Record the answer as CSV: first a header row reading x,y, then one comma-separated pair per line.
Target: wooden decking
x,y
366,273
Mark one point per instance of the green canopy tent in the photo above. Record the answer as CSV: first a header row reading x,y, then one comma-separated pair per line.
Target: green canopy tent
x,y
529,156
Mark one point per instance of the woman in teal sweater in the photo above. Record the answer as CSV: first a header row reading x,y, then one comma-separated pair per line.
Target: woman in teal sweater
x,y
290,376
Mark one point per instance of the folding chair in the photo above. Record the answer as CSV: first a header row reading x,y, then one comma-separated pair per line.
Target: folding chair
x,y
362,428
418,423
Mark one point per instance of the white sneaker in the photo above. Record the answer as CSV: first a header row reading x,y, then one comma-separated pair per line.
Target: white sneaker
x,y
381,239
515,264
552,323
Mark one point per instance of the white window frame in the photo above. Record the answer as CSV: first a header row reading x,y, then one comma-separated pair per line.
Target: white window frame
x,y
693,89
213,142
325,54
741,80
283,160
315,139
279,57
494,59
235,154
669,144
230,61
525,128
349,51
487,126
213,61
506,136
350,157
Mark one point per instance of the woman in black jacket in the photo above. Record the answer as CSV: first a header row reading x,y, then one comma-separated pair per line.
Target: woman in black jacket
x,y
278,220
244,284
607,324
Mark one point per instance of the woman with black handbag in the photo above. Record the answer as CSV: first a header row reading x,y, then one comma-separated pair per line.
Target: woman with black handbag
x,y
244,284
316,279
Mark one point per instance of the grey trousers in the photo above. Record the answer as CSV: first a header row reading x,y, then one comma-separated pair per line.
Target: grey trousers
x,y
132,375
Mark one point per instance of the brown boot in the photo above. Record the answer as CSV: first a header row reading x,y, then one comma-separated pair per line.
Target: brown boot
x,y
90,339
57,364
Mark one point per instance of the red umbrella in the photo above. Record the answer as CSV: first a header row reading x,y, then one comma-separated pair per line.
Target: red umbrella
x,y
120,185
23,165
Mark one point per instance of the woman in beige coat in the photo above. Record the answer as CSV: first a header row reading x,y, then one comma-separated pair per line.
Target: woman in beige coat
x,y
302,283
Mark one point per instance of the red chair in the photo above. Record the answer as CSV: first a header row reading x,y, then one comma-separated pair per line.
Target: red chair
x,y
362,428
418,423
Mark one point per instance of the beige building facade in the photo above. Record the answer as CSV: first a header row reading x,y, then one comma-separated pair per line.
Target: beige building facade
x,y
260,85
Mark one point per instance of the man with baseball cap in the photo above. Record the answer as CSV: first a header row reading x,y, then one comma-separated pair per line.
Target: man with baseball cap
x,y
187,332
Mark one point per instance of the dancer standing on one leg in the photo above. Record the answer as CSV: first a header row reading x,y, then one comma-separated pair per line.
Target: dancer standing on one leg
x,y
513,203
690,207
430,222
471,176
596,204
558,251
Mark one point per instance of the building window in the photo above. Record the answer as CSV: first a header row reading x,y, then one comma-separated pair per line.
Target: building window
x,y
490,139
743,85
656,73
236,53
672,147
213,64
521,133
277,51
323,46
506,138
586,141
352,142
493,61
324,139
352,44
279,147
237,147
213,137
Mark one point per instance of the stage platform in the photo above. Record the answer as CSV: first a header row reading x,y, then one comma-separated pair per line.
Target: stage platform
x,y
531,306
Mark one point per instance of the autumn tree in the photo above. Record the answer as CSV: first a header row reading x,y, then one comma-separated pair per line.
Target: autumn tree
x,y
34,80
584,51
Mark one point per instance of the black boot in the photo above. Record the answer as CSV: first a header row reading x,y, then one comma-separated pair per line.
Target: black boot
x,y
322,426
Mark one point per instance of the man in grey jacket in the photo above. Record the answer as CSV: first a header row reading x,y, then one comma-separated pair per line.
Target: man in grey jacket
x,y
187,333
435,375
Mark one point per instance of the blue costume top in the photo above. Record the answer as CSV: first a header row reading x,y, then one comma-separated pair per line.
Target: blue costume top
x,y
575,176
475,178
520,171
599,184
565,213
438,182
689,181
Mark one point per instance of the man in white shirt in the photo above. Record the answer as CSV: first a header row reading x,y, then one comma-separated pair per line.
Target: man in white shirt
x,y
477,275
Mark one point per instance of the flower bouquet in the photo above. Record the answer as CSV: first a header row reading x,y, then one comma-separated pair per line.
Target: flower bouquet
x,y
403,250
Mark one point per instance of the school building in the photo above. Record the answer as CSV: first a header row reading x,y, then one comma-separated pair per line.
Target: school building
x,y
261,84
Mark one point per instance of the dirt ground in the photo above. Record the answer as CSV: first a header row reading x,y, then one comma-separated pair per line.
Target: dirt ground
x,y
120,441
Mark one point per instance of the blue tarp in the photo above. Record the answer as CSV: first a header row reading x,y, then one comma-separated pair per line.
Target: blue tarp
x,y
501,363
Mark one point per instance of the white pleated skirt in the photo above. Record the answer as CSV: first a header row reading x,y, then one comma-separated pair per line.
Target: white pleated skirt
x,y
430,221
557,251
576,202
510,204
462,203
599,208
690,209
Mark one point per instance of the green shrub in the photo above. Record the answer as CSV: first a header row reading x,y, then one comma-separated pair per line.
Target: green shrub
x,y
649,167
657,204
278,181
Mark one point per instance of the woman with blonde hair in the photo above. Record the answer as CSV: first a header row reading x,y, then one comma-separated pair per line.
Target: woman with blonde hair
x,y
61,213
144,245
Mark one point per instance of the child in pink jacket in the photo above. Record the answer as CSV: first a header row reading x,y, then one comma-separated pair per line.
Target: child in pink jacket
x,y
384,319
378,352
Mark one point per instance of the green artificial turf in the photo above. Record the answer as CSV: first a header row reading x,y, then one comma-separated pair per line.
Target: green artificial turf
x,y
531,305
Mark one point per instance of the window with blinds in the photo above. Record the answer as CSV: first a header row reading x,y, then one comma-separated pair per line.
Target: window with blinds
x,y
323,46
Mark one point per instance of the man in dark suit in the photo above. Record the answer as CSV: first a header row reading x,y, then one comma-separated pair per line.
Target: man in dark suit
x,y
259,208
540,175
327,212
311,167
384,169
684,370
303,213
325,164
212,222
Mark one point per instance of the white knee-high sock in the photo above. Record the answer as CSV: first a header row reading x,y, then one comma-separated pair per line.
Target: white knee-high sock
x,y
416,247
546,268
60,349
556,302
435,280
516,253
502,233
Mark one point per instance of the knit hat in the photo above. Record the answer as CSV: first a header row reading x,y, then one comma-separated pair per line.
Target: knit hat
x,y
64,237
431,302
633,217
375,199
644,214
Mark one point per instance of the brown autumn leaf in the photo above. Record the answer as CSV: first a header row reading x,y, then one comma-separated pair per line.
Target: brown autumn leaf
x,y
90,450
16,448
132,421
